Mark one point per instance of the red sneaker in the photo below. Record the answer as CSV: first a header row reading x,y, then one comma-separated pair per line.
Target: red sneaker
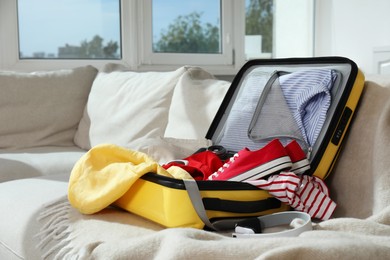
x,y
252,165
299,160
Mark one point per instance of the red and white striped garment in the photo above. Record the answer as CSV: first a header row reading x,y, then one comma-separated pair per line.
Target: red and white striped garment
x,y
303,193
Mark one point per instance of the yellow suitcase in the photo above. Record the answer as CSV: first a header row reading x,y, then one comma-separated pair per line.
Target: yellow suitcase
x,y
168,201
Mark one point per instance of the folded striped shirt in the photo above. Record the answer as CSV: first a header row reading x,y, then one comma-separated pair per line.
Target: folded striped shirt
x,y
307,93
303,193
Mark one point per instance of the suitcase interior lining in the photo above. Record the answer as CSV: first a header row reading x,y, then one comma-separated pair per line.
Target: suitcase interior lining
x,y
339,93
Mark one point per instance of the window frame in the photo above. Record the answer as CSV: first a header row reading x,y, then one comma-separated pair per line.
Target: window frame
x,y
227,63
10,49
134,55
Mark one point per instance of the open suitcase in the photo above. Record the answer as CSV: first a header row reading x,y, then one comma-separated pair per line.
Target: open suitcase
x,y
260,105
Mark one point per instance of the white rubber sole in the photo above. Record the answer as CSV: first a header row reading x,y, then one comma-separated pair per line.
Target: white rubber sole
x,y
264,170
300,166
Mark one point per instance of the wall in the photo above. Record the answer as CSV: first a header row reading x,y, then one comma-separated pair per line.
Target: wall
x,y
293,28
353,28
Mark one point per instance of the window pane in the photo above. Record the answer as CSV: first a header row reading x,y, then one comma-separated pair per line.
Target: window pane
x,y
259,28
186,26
66,29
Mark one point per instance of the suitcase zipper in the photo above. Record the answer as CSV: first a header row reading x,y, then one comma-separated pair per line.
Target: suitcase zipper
x,y
275,75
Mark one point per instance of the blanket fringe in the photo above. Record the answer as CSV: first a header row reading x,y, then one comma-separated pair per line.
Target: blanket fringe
x,y
55,232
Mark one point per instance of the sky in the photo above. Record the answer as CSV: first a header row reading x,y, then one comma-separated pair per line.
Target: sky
x,y
45,25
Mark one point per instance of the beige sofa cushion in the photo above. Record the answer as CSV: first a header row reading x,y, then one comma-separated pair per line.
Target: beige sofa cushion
x,y
196,99
37,161
42,108
125,106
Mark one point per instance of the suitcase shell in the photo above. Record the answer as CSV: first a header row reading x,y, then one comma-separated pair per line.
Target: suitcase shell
x,y
166,201
345,94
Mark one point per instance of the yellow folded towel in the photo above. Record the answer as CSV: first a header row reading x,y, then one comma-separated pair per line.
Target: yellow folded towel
x,y
106,172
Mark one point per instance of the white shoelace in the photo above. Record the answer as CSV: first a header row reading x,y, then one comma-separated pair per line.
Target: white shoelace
x,y
224,166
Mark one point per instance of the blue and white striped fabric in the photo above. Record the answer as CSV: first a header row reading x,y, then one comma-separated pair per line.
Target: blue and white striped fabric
x,y
307,94
235,134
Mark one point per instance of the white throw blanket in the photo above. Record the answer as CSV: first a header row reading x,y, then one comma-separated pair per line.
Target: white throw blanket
x,y
360,184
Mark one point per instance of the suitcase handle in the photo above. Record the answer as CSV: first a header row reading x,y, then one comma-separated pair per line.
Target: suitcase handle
x,y
241,206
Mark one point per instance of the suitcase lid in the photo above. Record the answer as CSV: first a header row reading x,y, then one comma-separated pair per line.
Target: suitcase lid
x,y
257,96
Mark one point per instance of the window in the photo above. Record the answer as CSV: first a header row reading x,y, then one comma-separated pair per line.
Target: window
x,y
61,29
219,35
186,32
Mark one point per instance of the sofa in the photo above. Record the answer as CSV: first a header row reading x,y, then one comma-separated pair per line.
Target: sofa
x,y
50,119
